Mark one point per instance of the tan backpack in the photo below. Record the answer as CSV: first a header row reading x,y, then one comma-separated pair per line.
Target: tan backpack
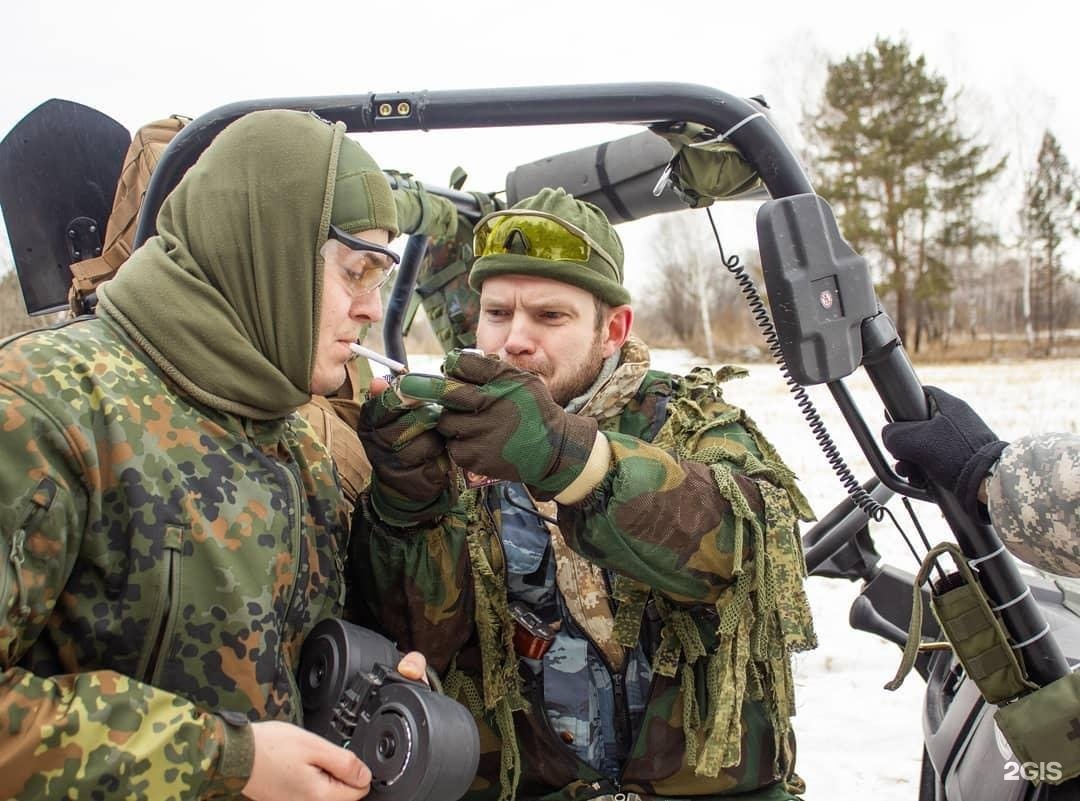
x,y
142,157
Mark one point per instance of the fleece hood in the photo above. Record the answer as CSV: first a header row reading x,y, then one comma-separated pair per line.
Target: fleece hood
x,y
225,298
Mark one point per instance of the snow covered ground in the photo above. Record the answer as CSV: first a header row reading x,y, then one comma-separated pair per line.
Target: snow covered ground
x,y
855,739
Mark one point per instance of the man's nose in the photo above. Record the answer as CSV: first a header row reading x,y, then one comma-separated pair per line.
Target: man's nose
x,y
521,337
366,308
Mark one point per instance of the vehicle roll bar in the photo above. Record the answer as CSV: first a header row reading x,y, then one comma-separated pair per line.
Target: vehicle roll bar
x,y
740,123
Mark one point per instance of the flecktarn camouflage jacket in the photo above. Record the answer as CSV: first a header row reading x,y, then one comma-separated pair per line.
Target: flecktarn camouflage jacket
x,y
696,519
160,565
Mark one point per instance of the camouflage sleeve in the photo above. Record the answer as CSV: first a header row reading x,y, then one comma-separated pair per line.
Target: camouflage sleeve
x,y
420,212
81,732
1034,501
413,584
671,517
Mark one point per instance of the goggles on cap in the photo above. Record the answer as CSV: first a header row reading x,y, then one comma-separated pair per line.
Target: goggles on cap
x,y
367,266
537,234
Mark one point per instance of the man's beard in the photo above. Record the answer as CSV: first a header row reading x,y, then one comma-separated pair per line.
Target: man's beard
x,y
574,383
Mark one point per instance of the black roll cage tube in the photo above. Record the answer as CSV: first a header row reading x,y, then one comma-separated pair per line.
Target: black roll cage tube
x,y
885,360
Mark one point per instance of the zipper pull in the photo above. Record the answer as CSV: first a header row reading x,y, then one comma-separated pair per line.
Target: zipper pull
x,y
18,556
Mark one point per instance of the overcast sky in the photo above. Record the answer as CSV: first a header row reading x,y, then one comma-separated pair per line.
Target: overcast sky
x,y
139,61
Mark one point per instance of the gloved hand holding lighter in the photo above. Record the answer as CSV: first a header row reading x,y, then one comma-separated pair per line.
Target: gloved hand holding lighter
x,y
954,448
502,422
411,474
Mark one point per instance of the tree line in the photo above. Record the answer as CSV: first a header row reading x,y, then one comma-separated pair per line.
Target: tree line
x,y
915,192
919,195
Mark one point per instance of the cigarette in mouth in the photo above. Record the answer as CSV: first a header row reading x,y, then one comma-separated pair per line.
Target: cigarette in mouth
x,y
385,361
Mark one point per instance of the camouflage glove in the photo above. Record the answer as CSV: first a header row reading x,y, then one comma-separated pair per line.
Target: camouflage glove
x,y
954,448
502,422
411,474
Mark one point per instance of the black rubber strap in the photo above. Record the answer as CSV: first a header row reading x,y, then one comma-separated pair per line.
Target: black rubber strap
x,y
605,184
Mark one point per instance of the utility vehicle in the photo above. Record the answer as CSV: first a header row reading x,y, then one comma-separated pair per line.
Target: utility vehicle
x,y
826,323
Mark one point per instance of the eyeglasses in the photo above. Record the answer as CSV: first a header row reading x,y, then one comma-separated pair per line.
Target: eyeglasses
x,y
367,266
537,234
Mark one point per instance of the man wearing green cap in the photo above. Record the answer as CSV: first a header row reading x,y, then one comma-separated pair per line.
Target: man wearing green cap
x,y
615,588
169,529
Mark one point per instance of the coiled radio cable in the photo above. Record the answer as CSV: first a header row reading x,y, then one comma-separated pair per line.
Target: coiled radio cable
x,y
860,497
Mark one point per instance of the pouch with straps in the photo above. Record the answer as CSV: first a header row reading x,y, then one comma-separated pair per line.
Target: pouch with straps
x,y
971,627
705,167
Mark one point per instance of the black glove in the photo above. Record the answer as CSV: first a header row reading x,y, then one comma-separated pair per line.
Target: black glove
x,y
411,478
954,448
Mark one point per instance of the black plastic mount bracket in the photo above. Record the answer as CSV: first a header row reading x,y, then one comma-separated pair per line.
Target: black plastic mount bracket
x,y
819,288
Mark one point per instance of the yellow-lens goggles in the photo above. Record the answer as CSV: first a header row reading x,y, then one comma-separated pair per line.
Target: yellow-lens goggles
x,y
536,234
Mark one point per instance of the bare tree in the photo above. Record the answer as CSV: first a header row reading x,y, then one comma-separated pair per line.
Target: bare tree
x,y
691,295
1053,207
678,290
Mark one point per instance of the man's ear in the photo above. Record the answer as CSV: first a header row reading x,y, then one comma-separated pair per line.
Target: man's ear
x,y
617,328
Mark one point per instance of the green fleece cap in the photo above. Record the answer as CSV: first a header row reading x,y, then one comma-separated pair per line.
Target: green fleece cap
x,y
362,196
596,275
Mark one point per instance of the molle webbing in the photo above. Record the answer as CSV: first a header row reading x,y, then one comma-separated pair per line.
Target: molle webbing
x,y
142,157
975,633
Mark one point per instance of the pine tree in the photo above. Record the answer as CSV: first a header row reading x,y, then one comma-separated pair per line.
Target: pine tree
x,y
893,159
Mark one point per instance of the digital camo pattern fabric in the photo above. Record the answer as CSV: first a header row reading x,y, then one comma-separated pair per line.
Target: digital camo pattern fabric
x,y
144,589
1034,501
697,519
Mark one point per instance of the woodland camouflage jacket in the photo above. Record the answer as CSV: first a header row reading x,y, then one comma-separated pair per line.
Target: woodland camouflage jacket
x,y
144,589
700,526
